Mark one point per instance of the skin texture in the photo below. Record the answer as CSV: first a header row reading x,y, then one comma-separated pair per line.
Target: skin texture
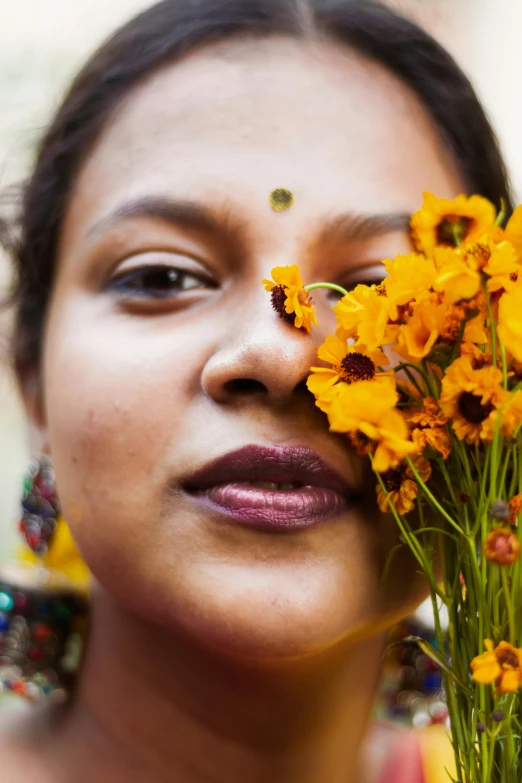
x,y
218,652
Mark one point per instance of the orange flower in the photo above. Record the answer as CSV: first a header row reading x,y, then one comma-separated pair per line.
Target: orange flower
x,y
515,507
290,299
470,398
429,428
445,222
501,546
424,327
349,364
501,665
401,486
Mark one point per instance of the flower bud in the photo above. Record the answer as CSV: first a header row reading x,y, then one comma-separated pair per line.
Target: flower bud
x,y
497,716
502,546
481,728
500,510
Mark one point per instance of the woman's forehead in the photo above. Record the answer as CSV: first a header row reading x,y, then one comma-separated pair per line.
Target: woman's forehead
x,y
242,119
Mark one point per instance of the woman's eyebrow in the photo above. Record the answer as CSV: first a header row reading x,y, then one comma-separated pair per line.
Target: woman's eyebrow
x,y
352,226
187,214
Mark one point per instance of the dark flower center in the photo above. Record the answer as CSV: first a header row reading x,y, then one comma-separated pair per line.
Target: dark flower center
x,y
278,297
381,290
479,362
507,657
470,406
357,367
393,479
513,277
452,230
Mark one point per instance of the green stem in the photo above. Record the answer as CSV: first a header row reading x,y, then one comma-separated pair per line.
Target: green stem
x,y
504,366
456,730
492,326
509,606
432,498
505,466
331,286
492,740
443,470
502,214
418,368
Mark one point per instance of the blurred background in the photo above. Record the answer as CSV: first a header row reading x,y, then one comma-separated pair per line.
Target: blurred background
x,y
43,42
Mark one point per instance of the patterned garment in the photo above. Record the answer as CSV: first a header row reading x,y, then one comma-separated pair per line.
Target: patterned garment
x,y
419,756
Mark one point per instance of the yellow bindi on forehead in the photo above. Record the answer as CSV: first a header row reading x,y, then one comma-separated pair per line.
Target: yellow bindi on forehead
x,y
281,199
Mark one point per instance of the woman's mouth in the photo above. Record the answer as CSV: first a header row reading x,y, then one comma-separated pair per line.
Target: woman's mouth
x,y
278,488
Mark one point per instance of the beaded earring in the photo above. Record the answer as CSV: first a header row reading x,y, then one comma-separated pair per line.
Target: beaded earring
x,y
43,608
39,505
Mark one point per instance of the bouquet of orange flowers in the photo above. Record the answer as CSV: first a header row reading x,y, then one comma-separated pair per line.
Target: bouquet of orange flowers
x,y
424,375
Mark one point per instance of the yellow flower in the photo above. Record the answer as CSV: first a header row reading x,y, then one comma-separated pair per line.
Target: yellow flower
x,y
409,277
470,398
349,364
502,268
443,222
428,428
290,299
510,321
501,665
460,270
511,414
513,230
478,358
401,486
357,408
364,314
456,278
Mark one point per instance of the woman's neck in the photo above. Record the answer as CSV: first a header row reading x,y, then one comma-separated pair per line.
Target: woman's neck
x,y
151,707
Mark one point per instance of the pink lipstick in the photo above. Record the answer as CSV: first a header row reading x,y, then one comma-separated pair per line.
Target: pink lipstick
x,y
277,488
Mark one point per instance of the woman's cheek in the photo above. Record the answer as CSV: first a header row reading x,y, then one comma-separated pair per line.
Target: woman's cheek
x,y
114,408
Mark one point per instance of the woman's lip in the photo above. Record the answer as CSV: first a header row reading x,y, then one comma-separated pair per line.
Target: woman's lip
x,y
273,509
278,464
224,486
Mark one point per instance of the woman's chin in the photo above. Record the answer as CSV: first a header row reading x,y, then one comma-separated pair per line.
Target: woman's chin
x,y
273,622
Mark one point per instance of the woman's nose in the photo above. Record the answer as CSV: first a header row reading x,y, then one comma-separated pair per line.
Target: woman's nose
x,y
267,358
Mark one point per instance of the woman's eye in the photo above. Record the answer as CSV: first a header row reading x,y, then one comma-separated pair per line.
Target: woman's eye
x,y
158,282
371,275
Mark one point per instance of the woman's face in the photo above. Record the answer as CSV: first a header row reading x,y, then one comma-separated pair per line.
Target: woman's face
x,y
150,373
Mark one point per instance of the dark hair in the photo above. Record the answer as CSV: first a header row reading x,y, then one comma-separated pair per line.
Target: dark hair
x,y
172,28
